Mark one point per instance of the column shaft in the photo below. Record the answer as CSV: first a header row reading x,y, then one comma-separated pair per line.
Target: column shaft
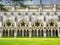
x,y
30,33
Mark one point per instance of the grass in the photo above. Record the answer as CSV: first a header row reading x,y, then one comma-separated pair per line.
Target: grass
x,y
29,41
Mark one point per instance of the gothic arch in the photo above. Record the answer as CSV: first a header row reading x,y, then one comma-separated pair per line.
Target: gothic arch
x,y
22,24
8,24
22,28
8,28
51,24
51,28
37,24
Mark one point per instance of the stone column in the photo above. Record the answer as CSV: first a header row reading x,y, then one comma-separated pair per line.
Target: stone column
x,y
54,33
0,32
22,32
15,28
15,33
51,33
30,26
8,32
44,31
58,32
29,32
37,32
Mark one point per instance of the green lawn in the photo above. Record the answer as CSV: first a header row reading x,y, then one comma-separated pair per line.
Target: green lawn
x,y
29,41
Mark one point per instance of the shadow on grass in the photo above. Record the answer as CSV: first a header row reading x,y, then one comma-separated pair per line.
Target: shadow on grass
x,y
26,37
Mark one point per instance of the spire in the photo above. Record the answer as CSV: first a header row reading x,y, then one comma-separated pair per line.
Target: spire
x,y
40,1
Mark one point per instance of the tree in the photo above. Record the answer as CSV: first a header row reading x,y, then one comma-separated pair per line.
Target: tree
x,y
2,7
14,3
18,2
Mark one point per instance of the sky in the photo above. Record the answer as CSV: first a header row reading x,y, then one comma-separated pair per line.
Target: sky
x,y
51,1
36,2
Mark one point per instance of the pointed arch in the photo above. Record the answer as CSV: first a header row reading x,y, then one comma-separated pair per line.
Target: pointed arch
x,y
51,27
51,24
37,24
8,23
8,28
22,23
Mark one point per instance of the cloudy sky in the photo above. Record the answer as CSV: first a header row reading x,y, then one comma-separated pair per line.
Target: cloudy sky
x,y
36,2
51,1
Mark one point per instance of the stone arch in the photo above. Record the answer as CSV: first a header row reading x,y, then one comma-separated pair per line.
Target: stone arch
x,y
22,24
51,27
37,24
8,24
37,28
52,24
22,27
8,28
